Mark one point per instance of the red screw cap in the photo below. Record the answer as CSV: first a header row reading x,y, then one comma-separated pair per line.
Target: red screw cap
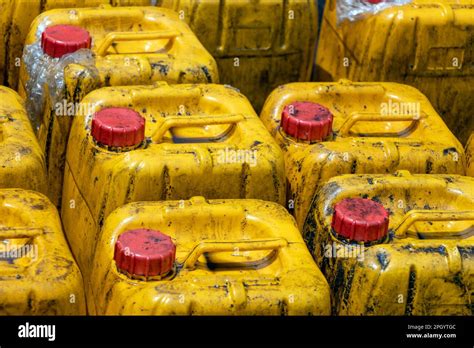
x,y
118,127
360,220
374,2
144,252
306,121
58,40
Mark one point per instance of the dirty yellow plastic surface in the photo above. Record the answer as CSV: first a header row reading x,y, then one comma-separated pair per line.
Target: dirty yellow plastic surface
x,y
426,44
258,45
39,275
16,17
139,45
21,159
470,155
426,267
368,136
202,140
233,257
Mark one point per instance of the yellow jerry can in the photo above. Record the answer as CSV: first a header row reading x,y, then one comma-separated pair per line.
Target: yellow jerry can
x,y
39,275
258,44
138,45
163,142
16,17
396,244
330,129
21,159
470,155
427,44
198,257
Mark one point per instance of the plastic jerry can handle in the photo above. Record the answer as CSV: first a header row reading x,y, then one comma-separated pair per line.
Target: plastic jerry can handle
x,y
433,215
213,246
134,36
193,121
377,117
19,233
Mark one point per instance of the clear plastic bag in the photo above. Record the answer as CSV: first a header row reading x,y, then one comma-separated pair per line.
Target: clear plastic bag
x,y
353,10
46,71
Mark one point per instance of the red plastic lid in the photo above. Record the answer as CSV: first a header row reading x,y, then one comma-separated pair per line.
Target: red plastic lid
x,y
374,1
306,121
59,40
118,127
144,252
359,219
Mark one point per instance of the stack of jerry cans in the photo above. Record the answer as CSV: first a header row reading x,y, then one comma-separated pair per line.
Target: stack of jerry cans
x,y
171,135
258,45
130,45
204,257
388,244
435,57
39,275
335,128
398,244
163,142
173,142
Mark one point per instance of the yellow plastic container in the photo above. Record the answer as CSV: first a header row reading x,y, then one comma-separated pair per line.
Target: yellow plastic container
x,y
21,159
470,155
422,262
139,45
198,140
435,56
225,257
258,45
363,128
39,275
16,17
